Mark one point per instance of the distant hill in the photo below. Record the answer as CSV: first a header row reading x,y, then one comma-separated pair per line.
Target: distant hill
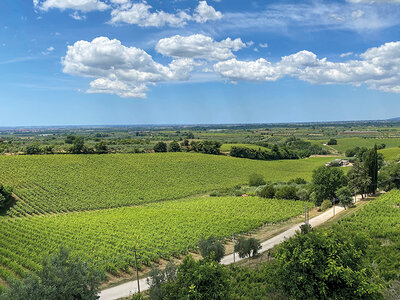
x,y
394,119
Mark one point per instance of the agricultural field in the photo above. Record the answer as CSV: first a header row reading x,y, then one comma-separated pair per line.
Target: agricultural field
x,y
62,183
348,143
379,220
157,230
228,147
391,154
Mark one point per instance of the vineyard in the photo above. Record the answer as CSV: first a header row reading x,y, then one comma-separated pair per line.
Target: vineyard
x,y
391,153
157,230
379,220
63,183
344,144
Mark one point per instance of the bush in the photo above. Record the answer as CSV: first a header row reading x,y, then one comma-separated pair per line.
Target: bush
x,y
33,149
256,180
160,147
212,248
267,191
5,195
326,204
297,180
288,192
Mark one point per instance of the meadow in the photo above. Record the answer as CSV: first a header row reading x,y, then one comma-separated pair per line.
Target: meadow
x,y
62,183
158,230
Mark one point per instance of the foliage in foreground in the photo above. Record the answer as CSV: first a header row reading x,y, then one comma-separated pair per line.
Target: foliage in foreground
x,y
61,278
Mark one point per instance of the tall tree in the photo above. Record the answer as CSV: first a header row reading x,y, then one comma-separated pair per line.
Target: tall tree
x,y
325,182
371,164
359,179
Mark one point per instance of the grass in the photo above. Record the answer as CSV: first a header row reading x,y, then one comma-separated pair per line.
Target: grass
x,y
62,183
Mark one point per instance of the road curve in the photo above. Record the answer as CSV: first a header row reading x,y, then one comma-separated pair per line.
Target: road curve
x,y
129,288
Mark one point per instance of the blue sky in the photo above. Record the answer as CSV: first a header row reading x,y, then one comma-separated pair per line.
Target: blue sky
x,y
86,62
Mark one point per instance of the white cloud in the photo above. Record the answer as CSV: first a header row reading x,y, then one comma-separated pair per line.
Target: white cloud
x,y
199,46
346,54
375,1
117,69
205,12
48,50
78,5
356,14
263,45
77,16
378,68
140,14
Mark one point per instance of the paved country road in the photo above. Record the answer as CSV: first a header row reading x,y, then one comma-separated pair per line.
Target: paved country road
x,y
130,288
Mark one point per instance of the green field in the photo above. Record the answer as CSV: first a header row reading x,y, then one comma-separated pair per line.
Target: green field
x,y
61,183
227,147
391,153
348,143
156,229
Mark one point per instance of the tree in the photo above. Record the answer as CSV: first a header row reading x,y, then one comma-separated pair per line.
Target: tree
x,y
212,248
344,196
204,279
389,177
61,277
359,179
325,182
247,247
5,196
371,164
325,265
78,146
256,180
174,147
33,149
101,147
332,142
286,192
160,147
70,139
158,278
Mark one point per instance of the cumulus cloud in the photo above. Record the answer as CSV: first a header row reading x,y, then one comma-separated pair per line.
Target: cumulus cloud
x,y
205,12
378,68
117,69
199,46
140,14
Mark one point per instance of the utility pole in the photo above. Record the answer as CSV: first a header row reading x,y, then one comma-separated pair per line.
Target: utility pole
x,y
233,241
334,205
137,272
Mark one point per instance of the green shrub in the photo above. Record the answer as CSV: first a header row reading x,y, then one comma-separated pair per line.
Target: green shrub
x,y
326,204
256,180
268,191
286,192
212,248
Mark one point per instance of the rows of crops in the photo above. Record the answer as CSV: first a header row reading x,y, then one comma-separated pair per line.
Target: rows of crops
x,y
391,154
380,220
158,229
62,183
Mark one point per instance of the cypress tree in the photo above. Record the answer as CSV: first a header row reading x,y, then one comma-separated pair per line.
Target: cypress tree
x,y
371,164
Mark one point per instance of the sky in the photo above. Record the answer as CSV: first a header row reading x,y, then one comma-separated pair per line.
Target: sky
x,y
110,62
